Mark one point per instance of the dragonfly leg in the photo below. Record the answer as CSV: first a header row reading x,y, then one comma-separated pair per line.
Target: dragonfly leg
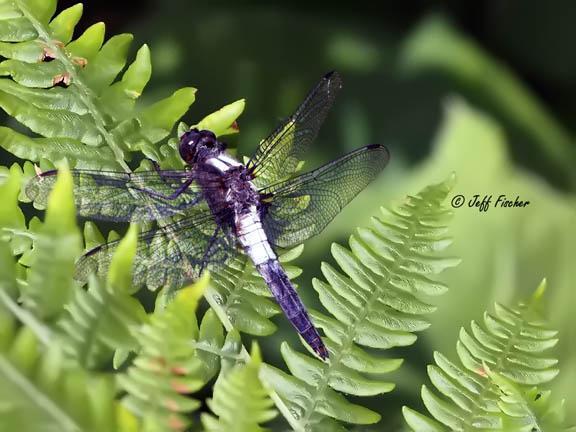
x,y
173,195
156,166
159,171
210,244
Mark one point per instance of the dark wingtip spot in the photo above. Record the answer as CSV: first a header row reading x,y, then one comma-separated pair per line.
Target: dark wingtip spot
x,y
383,149
330,74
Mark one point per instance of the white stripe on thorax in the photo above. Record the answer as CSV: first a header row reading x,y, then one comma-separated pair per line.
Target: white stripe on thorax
x,y
223,162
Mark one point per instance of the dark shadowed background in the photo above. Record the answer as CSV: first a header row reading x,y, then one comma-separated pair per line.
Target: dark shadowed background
x,y
485,89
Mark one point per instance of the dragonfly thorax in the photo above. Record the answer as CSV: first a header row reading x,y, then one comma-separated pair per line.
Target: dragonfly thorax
x,y
240,192
199,145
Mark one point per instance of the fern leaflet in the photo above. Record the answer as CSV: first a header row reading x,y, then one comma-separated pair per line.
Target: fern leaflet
x,y
177,357
103,318
512,344
40,389
240,400
529,410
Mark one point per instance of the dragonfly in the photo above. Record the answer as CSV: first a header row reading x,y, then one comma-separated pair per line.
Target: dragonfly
x,y
218,207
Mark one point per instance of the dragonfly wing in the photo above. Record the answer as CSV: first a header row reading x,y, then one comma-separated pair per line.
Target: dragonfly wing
x,y
279,155
299,208
171,255
124,197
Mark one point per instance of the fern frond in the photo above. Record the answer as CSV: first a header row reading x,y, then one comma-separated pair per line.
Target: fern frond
x,y
529,410
22,239
92,122
12,219
102,319
512,343
24,172
56,248
41,390
377,302
8,283
177,357
240,400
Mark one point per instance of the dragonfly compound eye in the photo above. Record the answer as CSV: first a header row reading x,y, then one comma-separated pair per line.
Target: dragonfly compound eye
x,y
207,140
189,145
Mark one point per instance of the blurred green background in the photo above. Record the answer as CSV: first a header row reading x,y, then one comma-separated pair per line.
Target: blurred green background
x,y
485,89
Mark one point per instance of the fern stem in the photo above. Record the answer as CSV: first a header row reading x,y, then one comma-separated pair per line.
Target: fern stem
x,y
34,393
203,347
41,331
86,94
211,294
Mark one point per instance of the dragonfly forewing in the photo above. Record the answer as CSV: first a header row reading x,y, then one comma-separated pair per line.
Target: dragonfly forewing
x,y
280,155
169,256
124,197
299,208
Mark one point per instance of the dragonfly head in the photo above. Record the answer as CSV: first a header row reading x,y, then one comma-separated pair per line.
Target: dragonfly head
x,y
198,145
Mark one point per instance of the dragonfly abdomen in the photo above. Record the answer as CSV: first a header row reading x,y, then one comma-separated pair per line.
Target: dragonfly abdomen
x,y
252,237
293,308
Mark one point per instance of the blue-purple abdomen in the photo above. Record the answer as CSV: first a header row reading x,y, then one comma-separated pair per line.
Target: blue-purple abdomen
x,y
293,308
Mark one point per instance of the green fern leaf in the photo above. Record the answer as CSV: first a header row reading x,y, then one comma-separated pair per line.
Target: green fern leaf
x,y
529,410
102,319
7,271
223,121
376,302
40,390
240,400
13,228
511,344
62,26
99,321
177,357
54,149
57,246
12,219
92,123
